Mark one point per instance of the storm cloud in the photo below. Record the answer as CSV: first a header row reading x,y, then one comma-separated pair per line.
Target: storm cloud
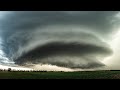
x,y
74,39
60,53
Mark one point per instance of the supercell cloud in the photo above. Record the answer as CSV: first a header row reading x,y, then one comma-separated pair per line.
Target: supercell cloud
x,y
73,39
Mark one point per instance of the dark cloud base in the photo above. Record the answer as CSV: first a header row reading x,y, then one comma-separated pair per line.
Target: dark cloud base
x,y
62,49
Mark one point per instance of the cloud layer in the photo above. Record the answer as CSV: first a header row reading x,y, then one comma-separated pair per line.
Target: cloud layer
x,y
75,39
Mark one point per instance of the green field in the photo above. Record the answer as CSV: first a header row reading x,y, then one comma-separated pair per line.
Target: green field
x,y
61,75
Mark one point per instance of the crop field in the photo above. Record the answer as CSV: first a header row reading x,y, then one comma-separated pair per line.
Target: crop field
x,y
60,75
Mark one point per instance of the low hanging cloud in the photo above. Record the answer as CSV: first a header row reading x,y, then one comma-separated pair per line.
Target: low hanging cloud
x,y
74,39
73,55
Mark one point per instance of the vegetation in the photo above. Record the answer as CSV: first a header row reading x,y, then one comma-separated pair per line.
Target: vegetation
x,y
59,75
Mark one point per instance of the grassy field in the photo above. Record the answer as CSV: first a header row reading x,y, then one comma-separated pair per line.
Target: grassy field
x,y
61,75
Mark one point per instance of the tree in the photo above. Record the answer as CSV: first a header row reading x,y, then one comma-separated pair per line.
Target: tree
x,y
9,69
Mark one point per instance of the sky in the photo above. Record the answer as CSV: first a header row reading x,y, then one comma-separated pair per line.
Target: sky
x,y
60,40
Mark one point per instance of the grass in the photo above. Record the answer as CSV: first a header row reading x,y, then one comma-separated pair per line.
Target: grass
x,y
61,75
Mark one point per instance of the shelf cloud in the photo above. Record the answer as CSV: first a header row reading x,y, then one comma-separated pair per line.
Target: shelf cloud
x,y
72,39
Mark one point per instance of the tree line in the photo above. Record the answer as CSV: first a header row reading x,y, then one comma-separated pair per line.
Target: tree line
x,y
14,70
